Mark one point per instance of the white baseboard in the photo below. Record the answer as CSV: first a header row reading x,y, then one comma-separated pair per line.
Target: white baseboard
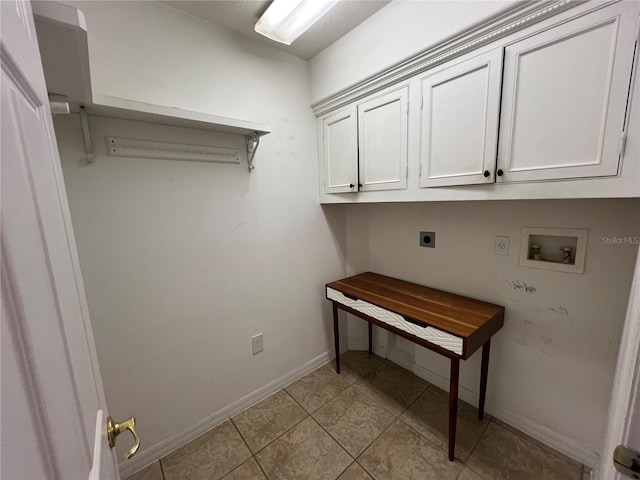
x,y
159,450
543,434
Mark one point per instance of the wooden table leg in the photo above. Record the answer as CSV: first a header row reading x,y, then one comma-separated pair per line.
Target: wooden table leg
x,y
484,371
370,337
453,405
336,336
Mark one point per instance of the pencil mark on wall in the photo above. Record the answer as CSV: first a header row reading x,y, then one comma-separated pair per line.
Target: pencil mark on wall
x,y
560,310
545,344
521,286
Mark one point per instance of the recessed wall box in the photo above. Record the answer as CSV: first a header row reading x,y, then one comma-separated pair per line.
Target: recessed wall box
x,y
428,239
559,249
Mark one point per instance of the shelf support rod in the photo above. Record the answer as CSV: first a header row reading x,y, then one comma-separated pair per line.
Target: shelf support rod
x,y
253,140
87,135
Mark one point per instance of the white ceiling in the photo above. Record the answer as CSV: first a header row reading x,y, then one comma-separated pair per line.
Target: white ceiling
x,y
241,15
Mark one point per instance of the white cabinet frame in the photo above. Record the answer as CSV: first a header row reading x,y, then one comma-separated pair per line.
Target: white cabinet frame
x,y
383,137
459,127
538,144
339,151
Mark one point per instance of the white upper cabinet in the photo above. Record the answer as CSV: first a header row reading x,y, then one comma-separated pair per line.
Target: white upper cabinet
x,y
340,151
459,122
364,146
537,106
383,137
564,99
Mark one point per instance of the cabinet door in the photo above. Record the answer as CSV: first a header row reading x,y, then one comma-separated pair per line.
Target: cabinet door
x,y
460,113
564,98
340,151
383,137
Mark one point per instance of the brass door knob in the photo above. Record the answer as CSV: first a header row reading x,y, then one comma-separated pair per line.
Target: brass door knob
x,y
114,429
627,461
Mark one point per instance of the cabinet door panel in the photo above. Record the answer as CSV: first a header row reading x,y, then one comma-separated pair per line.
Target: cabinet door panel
x,y
460,108
383,137
340,151
565,95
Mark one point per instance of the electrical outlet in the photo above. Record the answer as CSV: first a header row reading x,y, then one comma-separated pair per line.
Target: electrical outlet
x,y
257,344
428,239
502,246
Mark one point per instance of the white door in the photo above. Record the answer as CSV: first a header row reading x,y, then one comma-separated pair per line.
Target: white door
x,y
564,98
52,402
340,151
383,140
460,113
624,407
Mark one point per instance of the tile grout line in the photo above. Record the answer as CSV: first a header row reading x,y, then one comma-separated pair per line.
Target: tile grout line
x,y
370,398
255,459
245,444
343,380
335,439
385,408
283,433
331,398
395,419
368,446
339,444
398,417
537,443
477,442
545,449
484,432
161,469
430,385
296,401
253,455
362,467
242,438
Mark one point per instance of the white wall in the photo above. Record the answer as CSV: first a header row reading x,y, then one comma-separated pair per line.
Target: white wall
x,y
553,362
184,261
401,29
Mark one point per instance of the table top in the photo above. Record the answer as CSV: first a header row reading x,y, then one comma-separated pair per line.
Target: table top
x,y
473,320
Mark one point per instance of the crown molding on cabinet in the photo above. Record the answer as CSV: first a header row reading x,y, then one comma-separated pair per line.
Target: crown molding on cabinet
x,y
498,26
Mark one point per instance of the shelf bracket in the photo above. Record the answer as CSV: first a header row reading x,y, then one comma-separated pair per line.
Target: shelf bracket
x,y
87,135
253,141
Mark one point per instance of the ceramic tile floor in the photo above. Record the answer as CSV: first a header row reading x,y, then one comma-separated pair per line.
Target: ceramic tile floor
x,y
373,421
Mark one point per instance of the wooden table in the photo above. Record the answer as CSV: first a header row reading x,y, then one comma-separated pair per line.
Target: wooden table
x,y
451,325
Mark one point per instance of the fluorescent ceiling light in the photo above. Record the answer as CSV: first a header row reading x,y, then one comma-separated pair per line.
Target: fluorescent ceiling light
x,y
286,20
